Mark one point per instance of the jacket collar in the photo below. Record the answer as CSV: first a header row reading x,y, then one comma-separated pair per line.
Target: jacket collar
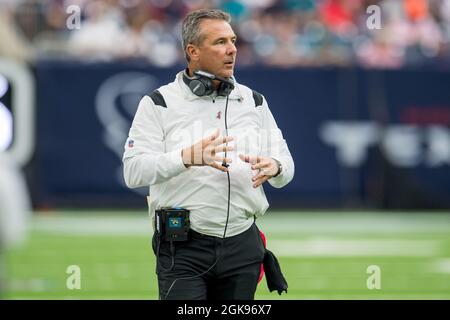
x,y
190,96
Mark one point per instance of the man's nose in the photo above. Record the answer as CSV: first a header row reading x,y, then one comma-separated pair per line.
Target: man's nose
x,y
231,49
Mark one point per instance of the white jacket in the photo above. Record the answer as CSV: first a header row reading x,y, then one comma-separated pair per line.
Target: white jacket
x,y
163,127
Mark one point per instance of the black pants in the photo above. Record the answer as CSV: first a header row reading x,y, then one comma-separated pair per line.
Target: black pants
x,y
234,276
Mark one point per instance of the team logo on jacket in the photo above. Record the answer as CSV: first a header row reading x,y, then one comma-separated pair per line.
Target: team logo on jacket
x,y
219,115
130,143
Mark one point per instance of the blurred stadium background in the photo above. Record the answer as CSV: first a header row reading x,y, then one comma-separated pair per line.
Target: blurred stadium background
x,y
366,114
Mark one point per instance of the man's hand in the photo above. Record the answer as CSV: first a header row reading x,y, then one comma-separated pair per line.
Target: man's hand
x,y
204,152
267,166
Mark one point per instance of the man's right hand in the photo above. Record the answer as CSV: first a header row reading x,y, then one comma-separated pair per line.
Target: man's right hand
x,y
204,152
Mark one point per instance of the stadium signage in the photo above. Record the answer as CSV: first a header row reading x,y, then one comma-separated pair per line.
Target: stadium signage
x,y
404,146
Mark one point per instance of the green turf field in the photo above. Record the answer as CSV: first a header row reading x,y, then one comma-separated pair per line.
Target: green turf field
x,y
324,255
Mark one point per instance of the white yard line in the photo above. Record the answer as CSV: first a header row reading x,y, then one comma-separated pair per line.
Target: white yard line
x,y
441,266
355,222
354,247
299,223
83,225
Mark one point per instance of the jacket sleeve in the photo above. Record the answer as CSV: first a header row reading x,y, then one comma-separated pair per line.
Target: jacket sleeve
x,y
145,160
274,145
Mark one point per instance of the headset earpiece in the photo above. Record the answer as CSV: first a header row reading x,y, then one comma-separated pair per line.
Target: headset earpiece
x,y
201,84
225,87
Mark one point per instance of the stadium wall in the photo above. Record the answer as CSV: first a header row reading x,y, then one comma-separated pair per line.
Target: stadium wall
x,y
359,138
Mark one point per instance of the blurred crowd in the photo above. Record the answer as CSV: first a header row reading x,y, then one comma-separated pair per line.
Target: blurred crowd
x,y
270,32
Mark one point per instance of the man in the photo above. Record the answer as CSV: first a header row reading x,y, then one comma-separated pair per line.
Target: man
x,y
179,146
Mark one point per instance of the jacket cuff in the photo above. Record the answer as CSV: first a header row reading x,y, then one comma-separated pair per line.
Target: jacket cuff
x,y
279,179
176,162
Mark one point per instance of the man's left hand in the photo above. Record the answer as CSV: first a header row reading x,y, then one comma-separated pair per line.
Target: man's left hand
x,y
267,167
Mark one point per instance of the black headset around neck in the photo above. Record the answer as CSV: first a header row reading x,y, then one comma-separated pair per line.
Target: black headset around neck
x,y
201,83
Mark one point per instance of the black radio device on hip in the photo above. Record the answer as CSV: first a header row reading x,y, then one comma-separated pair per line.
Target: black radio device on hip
x,y
172,224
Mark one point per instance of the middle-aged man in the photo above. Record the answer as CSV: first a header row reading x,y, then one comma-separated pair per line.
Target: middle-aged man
x,y
205,145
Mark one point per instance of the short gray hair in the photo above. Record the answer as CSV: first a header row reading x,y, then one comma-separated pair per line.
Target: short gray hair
x,y
190,30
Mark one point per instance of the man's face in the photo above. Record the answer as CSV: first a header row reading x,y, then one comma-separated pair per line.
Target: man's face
x,y
217,52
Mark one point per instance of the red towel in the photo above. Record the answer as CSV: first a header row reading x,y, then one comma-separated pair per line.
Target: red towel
x,y
261,272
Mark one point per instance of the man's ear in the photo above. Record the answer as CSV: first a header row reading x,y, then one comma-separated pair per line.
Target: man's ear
x,y
193,52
